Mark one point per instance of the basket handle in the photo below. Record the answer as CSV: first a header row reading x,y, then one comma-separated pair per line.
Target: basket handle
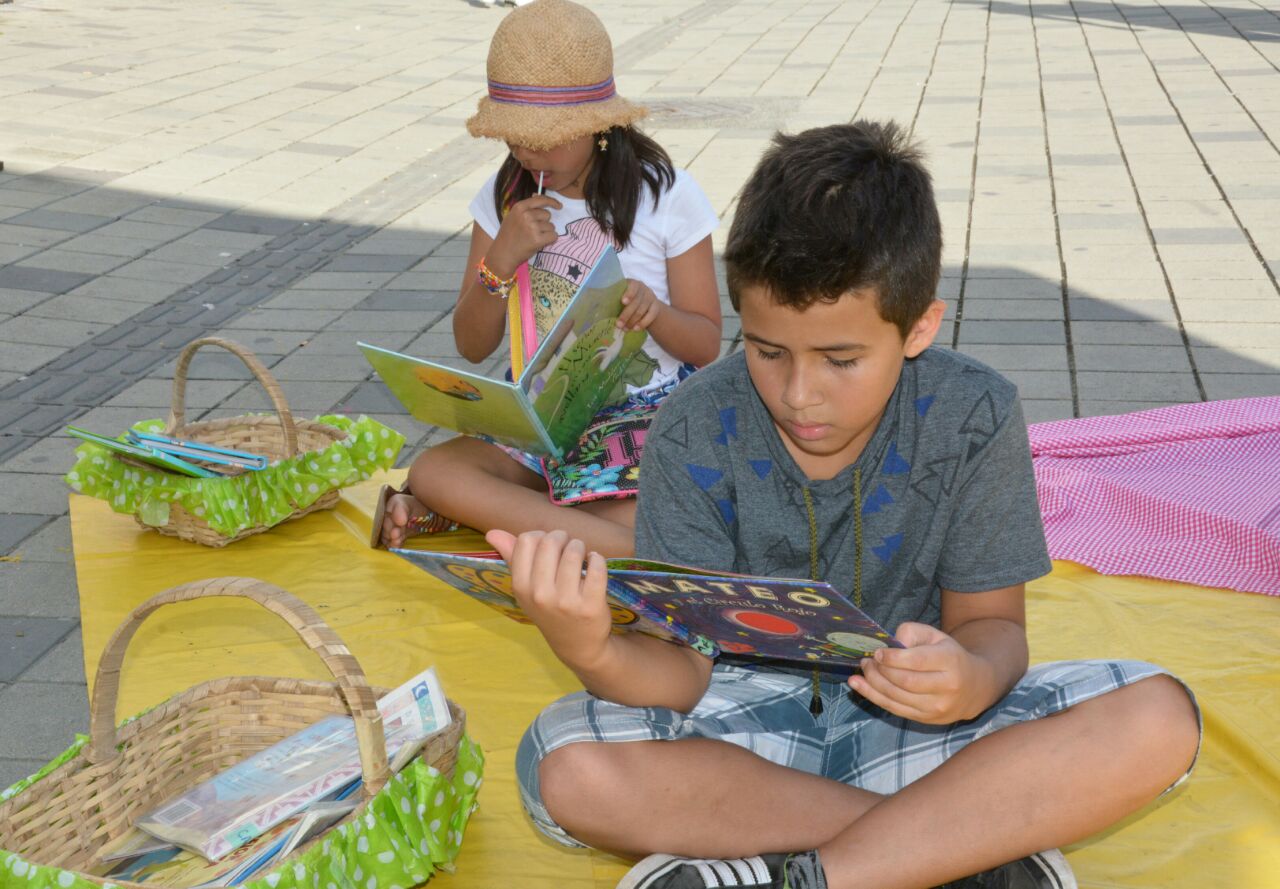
x,y
178,407
317,635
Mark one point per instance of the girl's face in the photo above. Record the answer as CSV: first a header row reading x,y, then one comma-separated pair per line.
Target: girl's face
x,y
563,168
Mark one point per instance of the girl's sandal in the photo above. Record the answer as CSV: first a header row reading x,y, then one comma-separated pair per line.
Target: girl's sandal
x,y
427,523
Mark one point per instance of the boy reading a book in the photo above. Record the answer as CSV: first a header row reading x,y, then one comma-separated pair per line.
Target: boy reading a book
x,y
838,445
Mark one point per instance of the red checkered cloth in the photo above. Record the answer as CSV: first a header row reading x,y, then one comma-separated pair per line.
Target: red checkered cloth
x,y
1188,493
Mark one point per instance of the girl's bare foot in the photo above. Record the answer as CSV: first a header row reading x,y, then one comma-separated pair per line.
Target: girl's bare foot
x,y
405,516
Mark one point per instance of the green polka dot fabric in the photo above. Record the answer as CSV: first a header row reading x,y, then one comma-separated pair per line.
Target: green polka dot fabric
x,y
411,829
252,499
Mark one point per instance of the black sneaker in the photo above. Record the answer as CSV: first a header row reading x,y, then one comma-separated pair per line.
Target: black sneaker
x,y
1043,870
799,871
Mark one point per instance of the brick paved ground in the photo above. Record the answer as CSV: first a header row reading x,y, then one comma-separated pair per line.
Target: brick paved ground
x,y
294,175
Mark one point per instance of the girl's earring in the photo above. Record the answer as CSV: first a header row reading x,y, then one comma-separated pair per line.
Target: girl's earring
x,y
603,143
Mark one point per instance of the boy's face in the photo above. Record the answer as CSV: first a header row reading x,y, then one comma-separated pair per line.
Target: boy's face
x,y
826,372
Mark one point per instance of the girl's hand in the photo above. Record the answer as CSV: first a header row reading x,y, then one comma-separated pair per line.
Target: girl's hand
x,y
641,306
525,230
567,606
934,680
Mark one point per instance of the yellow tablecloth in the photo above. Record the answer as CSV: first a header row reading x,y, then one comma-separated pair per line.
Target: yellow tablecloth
x,y
1222,829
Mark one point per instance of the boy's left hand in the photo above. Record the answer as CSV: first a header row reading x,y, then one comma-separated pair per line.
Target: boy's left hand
x,y
640,306
934,680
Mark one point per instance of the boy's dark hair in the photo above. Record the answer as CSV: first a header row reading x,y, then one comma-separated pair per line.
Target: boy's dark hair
x,y
612,189
836,209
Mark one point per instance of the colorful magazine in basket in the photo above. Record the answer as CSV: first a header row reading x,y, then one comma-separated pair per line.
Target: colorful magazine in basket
x,y
254,795
801,622
581,365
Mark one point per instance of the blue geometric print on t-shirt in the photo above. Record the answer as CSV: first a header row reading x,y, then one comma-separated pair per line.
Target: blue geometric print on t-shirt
x,y
923,404
761,467
893,462
704,476
888,546
727,511
728,425
880,497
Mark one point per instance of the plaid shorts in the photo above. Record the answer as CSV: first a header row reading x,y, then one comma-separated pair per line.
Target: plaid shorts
x,y
852,741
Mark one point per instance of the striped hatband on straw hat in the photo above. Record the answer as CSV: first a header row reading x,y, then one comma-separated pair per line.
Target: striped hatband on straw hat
x,y
550,73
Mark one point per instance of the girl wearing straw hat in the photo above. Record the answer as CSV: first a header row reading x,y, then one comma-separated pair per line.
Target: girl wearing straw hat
x,y
578,178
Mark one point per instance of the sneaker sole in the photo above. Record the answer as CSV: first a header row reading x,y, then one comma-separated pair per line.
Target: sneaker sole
x,y
649,869
1056,869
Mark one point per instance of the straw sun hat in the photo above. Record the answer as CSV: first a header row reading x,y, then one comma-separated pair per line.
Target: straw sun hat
x,y
550,75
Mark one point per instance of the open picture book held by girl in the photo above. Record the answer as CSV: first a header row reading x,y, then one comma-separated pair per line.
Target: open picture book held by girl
x,y
579,367
798,622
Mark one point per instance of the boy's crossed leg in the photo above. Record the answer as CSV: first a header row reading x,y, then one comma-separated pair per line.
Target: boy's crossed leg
x,y
1027,787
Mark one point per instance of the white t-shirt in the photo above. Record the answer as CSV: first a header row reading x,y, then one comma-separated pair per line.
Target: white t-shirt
x,y
678,222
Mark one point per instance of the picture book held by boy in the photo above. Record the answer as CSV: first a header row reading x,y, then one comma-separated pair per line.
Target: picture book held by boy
x,y
581,366
800,622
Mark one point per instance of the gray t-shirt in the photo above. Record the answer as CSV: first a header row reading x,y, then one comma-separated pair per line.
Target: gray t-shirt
x,y
948,498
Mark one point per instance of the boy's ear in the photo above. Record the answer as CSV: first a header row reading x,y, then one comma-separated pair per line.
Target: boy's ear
x,y
925,330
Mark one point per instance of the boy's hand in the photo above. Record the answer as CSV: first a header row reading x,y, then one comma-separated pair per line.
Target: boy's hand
x,y
567,606
934,680
641,306
525,230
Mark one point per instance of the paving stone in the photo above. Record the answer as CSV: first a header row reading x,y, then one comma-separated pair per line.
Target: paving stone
x,y
15,528
281,319
29,235
1009,358
15,302
1129,386
251,224
304,397
1046,410
1088,308
315,299
52,713
372,397
1012,332
52,543
1213,359
14,770
45,455
157,394
60,221
63,663
43,280
300,366
24,640
410,300
1040,384
371,321
1136,333
1259,385
47,331
1012,309
1151,359
386,262
24,358
98,309
71,261
33,493
343,343
1112,408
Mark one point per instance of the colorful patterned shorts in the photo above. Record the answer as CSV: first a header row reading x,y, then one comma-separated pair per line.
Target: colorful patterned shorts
x,y
852,741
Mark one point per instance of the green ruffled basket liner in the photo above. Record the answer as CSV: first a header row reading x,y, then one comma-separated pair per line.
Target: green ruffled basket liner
x,y
252,499
412,828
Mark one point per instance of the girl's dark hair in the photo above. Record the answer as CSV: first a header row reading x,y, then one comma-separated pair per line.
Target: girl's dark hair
x,y
612,189
837,209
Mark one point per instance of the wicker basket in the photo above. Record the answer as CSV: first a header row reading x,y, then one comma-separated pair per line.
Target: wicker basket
x,y
93,799
279,438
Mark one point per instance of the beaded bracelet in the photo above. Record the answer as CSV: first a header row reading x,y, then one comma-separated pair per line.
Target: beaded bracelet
x,y
492,283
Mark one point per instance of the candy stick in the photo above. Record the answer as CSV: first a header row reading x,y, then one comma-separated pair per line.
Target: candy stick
x,y
540,175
